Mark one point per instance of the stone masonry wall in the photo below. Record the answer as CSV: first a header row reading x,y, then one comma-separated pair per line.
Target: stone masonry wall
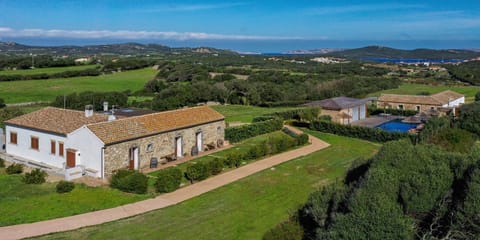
x,y
117,156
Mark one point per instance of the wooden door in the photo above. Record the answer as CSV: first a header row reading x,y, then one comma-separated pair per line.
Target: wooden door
x,y
71,158
131,162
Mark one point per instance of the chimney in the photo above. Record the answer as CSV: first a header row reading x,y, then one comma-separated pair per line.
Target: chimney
x,y
88,111
105,106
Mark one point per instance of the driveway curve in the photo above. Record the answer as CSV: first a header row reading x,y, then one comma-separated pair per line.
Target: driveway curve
x,y
162,201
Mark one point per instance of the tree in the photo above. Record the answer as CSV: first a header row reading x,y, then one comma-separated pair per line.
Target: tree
x,y
469,117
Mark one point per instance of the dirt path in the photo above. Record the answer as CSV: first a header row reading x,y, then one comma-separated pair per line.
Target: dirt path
x,y
162,201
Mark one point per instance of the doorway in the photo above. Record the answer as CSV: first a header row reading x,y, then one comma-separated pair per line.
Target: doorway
x,y
199,137
178,147
133,158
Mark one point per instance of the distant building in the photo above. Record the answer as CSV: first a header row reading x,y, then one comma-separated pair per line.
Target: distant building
x,y
439,101
94,144
82,60
343,110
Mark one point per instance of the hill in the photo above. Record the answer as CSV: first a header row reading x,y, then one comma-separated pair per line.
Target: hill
x,y
422,53
13,49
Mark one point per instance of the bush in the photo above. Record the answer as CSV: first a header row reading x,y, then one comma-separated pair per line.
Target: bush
x,y
237,134
370,134
36,176
64,187
130,181
197,172
168,179
215,166
396,112
288,230
2,163
233,159
14,169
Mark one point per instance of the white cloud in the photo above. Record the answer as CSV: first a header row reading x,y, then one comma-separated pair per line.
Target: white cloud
x,y
125,34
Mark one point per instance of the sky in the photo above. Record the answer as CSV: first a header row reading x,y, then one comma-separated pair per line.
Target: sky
x,y
264,25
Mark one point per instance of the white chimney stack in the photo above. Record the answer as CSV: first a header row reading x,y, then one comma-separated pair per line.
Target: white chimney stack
x,y
105,106
88,111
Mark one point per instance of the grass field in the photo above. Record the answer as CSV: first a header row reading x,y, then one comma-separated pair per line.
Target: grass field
x,y
245,114
245,209
47,90
24,203
46,70
414,89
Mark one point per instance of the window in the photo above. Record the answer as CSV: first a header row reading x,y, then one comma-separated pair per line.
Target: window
x,y
34,143
53,147
400,107
418,108
13,137
432,108
60,149
150,147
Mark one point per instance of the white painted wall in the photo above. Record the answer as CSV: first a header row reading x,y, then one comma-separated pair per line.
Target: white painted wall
x,y
89,147
43,155
455,103
356,114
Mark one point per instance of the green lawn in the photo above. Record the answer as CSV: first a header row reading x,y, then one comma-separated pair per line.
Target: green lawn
x,y
245,114
414,89
47,70
24,203
47,90
245,209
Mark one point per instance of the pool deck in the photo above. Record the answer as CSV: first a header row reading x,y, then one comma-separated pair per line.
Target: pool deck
x,y
374,121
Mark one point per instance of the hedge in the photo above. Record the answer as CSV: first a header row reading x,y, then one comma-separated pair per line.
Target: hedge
x,y
370,134
168,179
36,176
197,172
130,181
237,134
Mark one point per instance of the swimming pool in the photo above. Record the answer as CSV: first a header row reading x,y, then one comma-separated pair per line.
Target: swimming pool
x,y
397,126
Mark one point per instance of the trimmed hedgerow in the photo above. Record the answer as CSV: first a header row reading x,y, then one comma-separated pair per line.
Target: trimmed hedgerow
x,y
15,168
197,172
237,134
215,166
129,181
64,186
168,179
36,176
370,134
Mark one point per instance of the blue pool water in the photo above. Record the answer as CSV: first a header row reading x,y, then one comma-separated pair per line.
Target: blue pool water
x,y
396,126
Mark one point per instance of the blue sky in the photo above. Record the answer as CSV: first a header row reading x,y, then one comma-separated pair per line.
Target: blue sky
x,y
214,22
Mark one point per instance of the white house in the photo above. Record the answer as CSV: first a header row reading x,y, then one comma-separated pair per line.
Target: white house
x,y
88,143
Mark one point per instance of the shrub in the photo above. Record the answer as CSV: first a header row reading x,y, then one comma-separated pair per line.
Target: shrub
x,y
64,187
215,166
130,181
2,163
370,134
233,159
302,139
262,118
168,179
36,176
197,172
396,112
237,134
289,230
14,169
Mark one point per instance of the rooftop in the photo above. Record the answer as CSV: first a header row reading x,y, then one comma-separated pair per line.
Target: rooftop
x,y
150,124
56,120
437,99
337,103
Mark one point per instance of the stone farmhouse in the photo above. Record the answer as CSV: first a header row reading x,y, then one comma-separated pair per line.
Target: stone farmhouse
x,y
343,110
443,101
96,144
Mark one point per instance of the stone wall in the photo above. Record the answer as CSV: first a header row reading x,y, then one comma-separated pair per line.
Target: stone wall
x,y
406,106
117,156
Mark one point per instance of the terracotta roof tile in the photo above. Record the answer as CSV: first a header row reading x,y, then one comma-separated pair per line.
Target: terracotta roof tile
x,y
135,127
56,120
438,99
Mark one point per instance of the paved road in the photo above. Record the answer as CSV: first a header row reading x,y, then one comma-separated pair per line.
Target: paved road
x,y
162,201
